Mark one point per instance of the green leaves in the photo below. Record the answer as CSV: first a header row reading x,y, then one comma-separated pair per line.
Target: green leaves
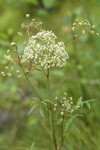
x,y
35,103
88,104
32,146
80,102
59,121
41,111
49,101
68,125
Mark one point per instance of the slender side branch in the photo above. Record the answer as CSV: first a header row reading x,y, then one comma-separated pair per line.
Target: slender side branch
x,y
26,75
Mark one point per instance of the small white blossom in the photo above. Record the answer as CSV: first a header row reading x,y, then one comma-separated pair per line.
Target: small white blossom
x,y
8,57
97,34
20,33
55,105
9,74
27,15
62,113
74,24
13,44
80,23
65,93
83,31
88,24
6,67
64,98
72,110
56,98
71,98
86,20
93,26
63,105
8,51
85,23
71,102
19,76
76,20
17,71
78,106
73,28
92,32
3,74
54,108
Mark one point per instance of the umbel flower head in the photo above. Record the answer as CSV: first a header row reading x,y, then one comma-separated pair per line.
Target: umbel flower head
x,y
44,51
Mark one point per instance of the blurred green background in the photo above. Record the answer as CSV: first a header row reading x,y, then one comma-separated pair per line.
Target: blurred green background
x,y
80,77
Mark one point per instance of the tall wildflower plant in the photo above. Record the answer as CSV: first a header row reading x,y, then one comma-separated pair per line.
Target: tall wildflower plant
x,y
42,52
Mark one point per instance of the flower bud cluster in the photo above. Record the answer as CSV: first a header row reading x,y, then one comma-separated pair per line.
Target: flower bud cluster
x,y
85,26
65,105
44,51
11,61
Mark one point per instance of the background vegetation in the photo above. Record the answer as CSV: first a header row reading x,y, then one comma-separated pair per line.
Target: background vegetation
x,y
80,77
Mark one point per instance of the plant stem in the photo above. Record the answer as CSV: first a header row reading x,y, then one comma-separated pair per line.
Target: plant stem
x,y
53,129
48,80
51,113
62,133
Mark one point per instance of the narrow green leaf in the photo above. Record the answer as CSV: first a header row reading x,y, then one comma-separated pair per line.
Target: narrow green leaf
x,y
91,100
42,113
32,108
88,105
32,146
79,102
88,102
49,101
69,122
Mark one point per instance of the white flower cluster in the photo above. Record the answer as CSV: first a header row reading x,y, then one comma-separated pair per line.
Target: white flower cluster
x,y
11,61
8,57
65,105
84,26
44,51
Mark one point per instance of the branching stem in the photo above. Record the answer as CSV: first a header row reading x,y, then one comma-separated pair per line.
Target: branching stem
x,y
26,75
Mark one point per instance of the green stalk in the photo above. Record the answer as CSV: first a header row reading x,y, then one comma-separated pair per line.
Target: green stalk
x,y
51,113
62,134
53,129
